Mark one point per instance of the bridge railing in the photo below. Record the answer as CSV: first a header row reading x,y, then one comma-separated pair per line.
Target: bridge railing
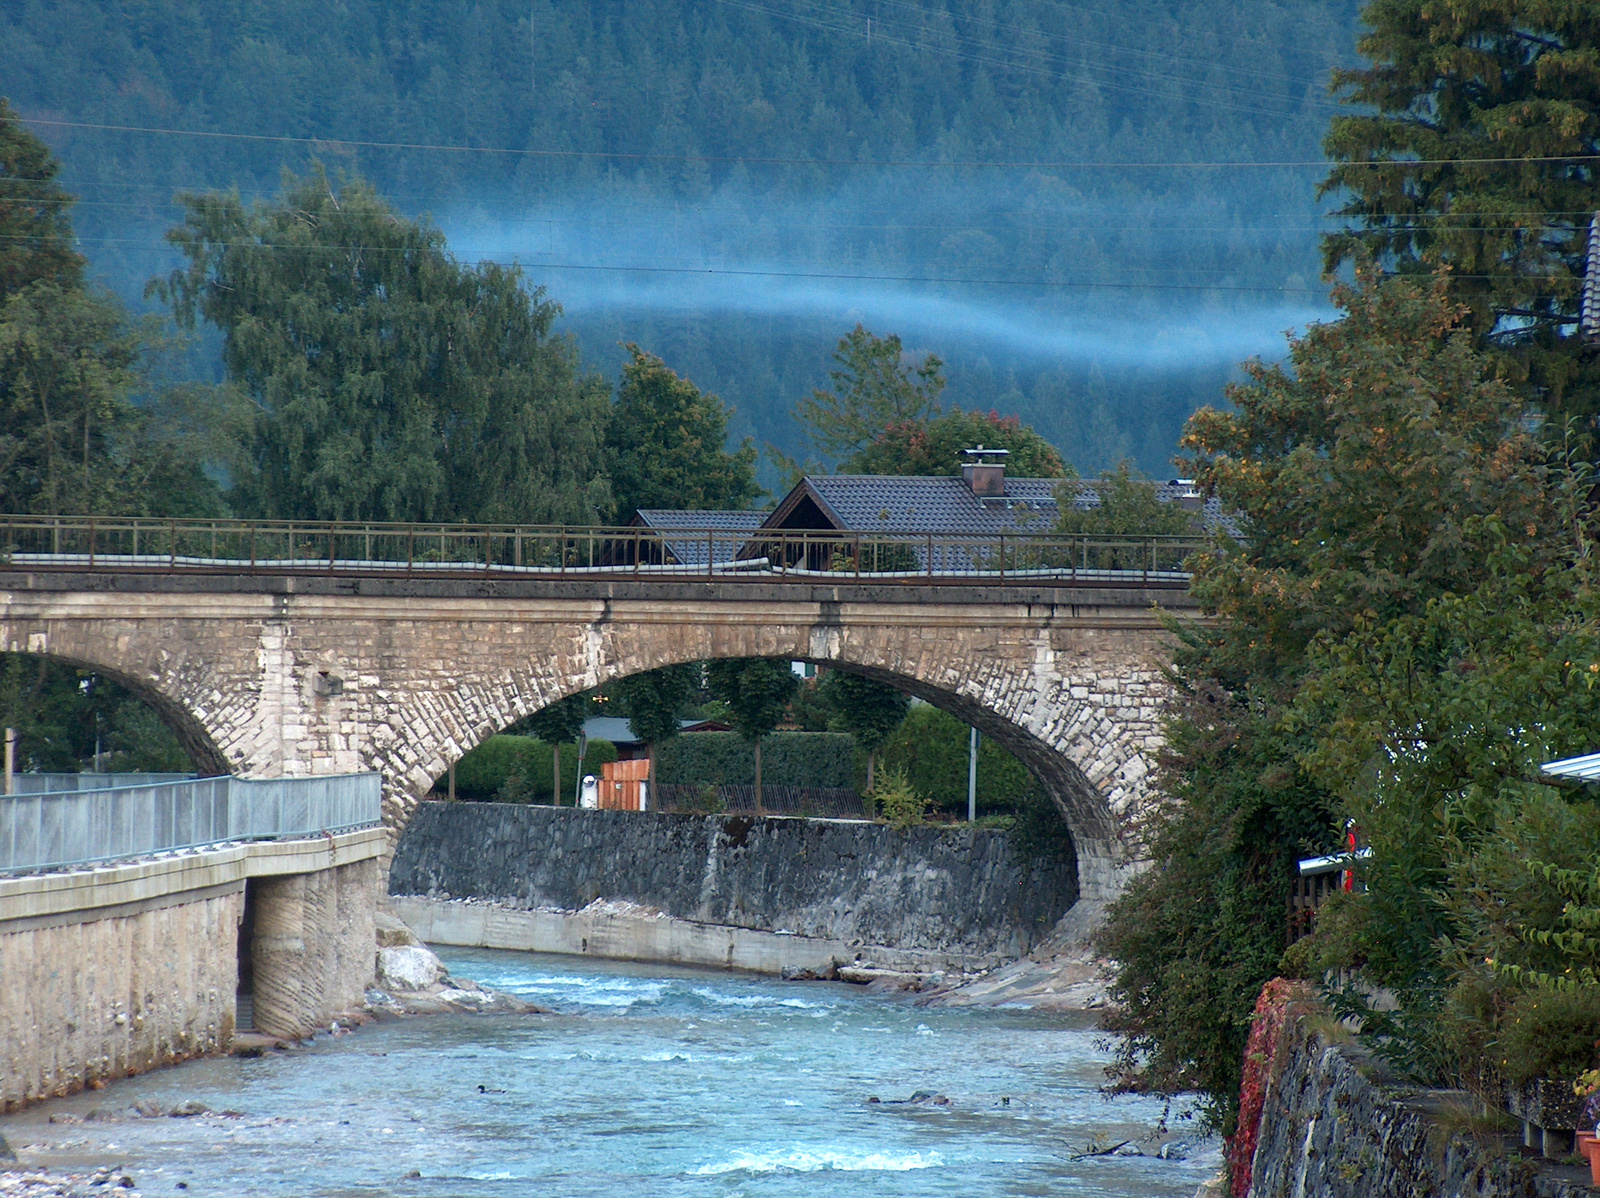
x,y
104,544
73,828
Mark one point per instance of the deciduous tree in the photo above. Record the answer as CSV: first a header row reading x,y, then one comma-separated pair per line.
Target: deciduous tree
x,y
393,382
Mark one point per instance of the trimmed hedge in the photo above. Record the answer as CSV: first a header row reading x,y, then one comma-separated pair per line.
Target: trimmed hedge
x,y
931,746
809,759
481,773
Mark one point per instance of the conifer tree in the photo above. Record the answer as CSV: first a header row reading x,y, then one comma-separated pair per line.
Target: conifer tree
x,y
1476,146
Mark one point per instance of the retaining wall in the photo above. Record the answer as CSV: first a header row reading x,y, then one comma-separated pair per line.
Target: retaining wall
x,y
117,969
1329,1130
82,1001
956,895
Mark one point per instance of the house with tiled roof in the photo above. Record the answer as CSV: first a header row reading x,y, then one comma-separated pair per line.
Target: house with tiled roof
x,y
693,538
982,501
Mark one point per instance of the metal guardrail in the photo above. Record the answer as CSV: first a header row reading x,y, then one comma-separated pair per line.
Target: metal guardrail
x,y
453,550
32,784
68,828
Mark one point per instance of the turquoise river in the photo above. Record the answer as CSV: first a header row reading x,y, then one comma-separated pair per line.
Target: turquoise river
x,y
651,1081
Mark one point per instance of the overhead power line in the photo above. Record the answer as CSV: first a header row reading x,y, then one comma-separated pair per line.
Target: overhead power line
x,y
757,160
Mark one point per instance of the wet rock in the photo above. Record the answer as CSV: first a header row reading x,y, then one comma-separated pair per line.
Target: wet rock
x,y
5,1150
882,981
393,933
408,967
918,1098
189,1108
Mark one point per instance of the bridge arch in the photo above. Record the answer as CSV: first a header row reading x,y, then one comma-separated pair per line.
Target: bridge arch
x,y
189,731
295,676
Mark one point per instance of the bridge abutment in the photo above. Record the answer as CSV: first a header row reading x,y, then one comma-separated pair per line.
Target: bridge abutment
x,y
110,971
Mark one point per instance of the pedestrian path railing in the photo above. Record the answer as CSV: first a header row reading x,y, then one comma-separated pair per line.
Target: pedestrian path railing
x,y
104,544
32,784
55,830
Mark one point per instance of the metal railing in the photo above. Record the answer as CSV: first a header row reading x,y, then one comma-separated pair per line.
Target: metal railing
x,y
68,828
104,544
32,784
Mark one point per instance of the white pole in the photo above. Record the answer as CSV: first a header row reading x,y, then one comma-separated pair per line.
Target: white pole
x,y
11,760
972,778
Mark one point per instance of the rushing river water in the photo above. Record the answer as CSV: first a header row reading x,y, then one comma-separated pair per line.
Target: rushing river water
x,y
654,1081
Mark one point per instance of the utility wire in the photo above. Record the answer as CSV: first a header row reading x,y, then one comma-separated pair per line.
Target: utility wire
x,y
752,160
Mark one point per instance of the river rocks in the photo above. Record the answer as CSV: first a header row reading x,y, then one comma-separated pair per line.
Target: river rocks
x,y
393,933
885,981
42,1183
408,967
411,980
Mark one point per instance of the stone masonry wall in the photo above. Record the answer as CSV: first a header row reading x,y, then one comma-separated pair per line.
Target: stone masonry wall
x,y
958,890
1329,1131
1068,679
90,1001
313,951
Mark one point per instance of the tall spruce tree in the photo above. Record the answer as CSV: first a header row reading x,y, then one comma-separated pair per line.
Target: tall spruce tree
x,y
1476,146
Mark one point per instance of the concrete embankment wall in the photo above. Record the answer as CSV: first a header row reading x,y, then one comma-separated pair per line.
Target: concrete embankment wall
x,y
1329,1130
113,970
928,898
86,1001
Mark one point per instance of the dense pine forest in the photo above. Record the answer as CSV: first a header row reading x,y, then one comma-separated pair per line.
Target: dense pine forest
x,y
728,185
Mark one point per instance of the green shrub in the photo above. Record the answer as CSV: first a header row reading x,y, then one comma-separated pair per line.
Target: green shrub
x,y
1549,1033
931,747
825,759
486,771
895,800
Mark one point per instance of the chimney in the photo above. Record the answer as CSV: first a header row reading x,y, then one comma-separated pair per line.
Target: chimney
x,y
987,479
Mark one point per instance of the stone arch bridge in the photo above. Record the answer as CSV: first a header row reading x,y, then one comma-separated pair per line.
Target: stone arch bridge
x,y
293,675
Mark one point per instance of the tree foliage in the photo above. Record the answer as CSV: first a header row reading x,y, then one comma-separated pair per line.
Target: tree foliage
x,y
780,118
1474,147
36,242
558,724
59,711
392,382
655,701
873,388
867,709
83,426
1129,506
1366,471
934,445
756,691
664,444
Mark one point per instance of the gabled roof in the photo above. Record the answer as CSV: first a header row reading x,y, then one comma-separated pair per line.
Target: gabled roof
x,y
906,504
690,550
619,732
945,504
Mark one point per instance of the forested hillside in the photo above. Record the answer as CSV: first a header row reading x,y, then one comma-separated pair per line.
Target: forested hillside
x,y
725,183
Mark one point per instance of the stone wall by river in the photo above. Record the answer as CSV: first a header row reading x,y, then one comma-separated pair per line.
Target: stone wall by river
x,y
957,890
1329,1129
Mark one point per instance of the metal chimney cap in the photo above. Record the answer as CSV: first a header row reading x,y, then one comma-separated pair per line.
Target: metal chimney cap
x,y
980,452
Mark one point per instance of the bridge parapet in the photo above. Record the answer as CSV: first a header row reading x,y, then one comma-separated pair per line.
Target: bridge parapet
x,y
907,559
